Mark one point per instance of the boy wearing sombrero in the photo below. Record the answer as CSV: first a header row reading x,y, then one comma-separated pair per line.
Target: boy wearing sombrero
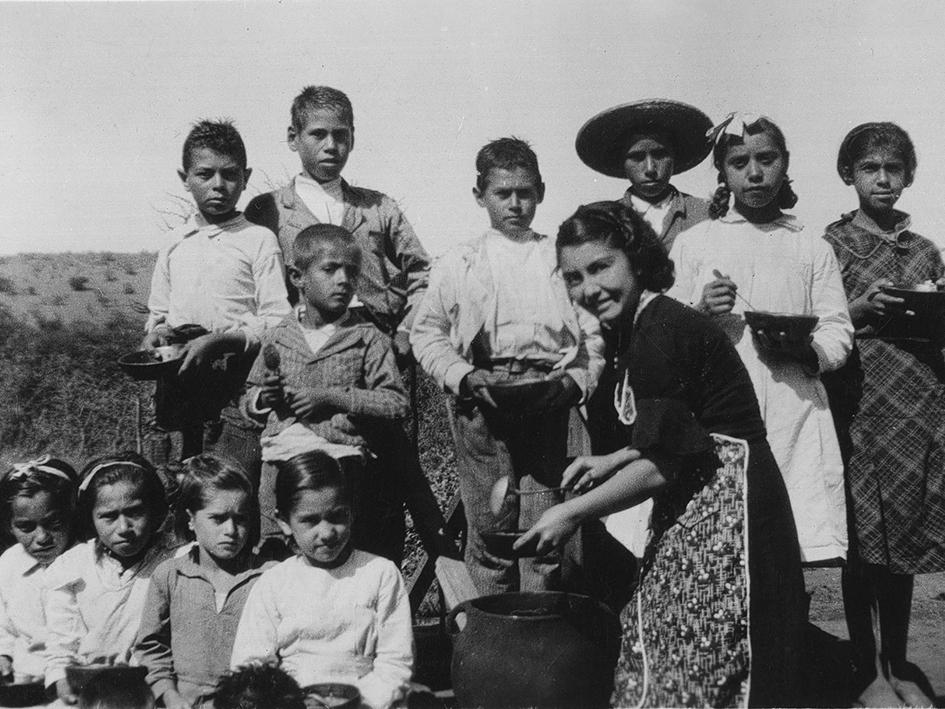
x,y
648,142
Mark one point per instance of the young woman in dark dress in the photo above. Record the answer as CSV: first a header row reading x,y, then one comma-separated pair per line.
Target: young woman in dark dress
x,y
681,421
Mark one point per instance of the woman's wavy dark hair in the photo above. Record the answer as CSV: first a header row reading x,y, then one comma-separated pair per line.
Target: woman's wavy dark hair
x,y
872,136
620,227
120,467
204,475
786,198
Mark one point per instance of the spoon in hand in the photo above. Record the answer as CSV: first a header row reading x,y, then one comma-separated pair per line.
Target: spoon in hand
x,y
502,490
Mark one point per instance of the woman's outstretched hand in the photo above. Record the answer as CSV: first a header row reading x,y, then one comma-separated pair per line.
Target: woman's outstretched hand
x,y
591,470
552,529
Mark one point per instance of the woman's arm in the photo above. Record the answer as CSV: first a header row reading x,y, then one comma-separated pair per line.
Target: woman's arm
x,y
630,485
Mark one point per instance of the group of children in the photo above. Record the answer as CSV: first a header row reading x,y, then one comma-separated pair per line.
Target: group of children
x,y
295,322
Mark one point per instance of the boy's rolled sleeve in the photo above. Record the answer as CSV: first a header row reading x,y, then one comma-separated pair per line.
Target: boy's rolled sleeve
x,y
272,299
153,646
430,334
588,363
159,300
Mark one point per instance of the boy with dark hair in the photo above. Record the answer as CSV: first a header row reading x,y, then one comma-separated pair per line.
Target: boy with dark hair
x,y
496,311
395,266
225,275
334,388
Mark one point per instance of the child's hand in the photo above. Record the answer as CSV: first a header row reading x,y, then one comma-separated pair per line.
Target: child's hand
x,y
874,304
401,345
270,393
173,700
312,402
475,386
156,338
6,666
64,692
718,296
591,470
201,351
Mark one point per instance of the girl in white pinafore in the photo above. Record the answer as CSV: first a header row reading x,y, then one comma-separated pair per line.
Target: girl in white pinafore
x,y
759,256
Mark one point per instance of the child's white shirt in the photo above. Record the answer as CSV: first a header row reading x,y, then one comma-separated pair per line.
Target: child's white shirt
x,y
22,619
93,606
326,201
349,624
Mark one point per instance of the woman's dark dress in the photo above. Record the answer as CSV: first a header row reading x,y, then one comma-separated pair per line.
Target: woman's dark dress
x,y
889,404
688,381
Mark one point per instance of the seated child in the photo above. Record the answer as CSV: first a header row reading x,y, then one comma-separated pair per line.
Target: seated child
x,y
105,693
334,386
195,601
95,592
224,274
331,613
498,310
259,685
38,504
395,266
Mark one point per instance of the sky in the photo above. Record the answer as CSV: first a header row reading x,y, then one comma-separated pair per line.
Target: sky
x,y
96,98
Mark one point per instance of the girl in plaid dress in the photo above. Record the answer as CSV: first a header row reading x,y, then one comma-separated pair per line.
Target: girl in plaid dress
x,y
890,408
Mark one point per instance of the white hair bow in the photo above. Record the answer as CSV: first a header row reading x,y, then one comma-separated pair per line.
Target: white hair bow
x,y
735,123
38,465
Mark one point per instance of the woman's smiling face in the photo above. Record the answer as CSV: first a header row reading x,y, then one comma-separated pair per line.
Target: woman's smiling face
x,y
600,279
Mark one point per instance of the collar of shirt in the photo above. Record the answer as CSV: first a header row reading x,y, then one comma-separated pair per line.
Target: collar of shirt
x,y
189,565
892,236
645,298
316,337
24,564
788,221
641,206
322,199
198,224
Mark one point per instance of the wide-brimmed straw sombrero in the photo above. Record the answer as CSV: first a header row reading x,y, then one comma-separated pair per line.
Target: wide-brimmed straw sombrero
x,y
602,141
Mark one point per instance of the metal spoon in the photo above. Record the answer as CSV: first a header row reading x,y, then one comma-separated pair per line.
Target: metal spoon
x,y
502,490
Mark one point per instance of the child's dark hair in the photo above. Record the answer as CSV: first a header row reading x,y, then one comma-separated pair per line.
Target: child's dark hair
x,y
45,474
871,136
120,467
506,154
258,686
314,470
219,136
785,198
203,475
620,227
107,692
314,98
311,238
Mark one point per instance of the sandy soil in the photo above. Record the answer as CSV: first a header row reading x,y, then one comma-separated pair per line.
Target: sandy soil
x,y
828,641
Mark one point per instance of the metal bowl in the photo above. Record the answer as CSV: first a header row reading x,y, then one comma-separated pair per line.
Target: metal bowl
x,y
499,543
146,365
796,328
523,395
80,675
331,695
22,694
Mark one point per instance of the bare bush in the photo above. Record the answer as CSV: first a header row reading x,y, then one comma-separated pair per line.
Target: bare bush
x,y
79,283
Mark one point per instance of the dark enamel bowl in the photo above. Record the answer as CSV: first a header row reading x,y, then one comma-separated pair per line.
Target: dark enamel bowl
x,y
499,543
331,695
22,694
80,675
145,365
796,328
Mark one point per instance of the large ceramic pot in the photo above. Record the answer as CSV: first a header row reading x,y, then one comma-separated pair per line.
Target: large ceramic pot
x,y
534,650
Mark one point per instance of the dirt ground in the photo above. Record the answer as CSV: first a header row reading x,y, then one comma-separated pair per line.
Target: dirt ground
x,y
828,654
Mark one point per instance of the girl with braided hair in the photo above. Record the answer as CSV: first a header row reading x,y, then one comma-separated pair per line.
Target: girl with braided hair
x,y
755,257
